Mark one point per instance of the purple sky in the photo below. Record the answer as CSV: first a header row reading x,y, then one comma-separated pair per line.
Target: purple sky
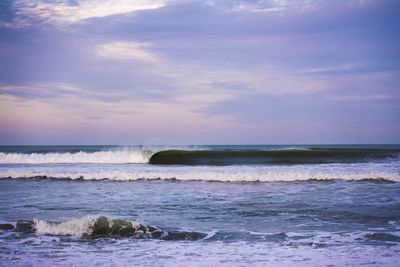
x,y
199,72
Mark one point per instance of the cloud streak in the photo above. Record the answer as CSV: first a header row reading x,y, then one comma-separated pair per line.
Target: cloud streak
x,y
67,12
122,50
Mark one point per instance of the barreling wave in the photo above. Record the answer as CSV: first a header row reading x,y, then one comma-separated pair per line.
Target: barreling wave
x,y
104,157
211,157
269,157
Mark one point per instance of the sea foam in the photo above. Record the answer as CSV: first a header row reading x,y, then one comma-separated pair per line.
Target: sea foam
x,y
212,173
76,227
118,156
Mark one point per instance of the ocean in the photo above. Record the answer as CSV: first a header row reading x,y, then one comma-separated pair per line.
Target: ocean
x,y
257,205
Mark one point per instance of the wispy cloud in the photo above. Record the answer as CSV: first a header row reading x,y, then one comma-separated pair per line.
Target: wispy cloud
x,y
280,6
122,50
341,68
73,12
270,6
51,92
362,97
40,91
270,80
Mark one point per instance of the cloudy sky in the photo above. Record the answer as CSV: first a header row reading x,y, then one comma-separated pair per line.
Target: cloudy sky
x,y
199,72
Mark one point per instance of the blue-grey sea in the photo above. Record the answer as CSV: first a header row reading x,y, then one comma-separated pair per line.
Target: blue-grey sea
x,y
288,205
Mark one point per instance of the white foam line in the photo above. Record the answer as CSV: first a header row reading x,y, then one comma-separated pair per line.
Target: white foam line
x,y
202,175
123,156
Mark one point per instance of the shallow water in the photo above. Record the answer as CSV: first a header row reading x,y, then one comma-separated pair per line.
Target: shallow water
x,y
246,223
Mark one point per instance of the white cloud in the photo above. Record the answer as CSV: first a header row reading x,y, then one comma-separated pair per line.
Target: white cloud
x,y
122,50
62,12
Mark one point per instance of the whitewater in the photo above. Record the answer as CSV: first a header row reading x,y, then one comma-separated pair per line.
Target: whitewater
x,y
121,156
190,205
235,164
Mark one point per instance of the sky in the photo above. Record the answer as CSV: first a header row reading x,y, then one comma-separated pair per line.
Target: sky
x,y
199,72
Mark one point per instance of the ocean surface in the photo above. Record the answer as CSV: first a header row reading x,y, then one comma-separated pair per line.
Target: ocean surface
x,y
309,205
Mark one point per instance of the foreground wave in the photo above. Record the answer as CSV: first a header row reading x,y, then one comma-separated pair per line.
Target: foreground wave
x,y
97,227
213,157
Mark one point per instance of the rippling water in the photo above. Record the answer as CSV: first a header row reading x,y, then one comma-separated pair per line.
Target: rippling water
x,y
286,215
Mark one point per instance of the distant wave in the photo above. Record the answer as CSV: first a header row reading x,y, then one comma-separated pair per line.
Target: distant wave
x,y
120,156
212,157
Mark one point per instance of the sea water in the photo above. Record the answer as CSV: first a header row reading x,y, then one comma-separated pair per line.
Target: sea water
x,y
214,205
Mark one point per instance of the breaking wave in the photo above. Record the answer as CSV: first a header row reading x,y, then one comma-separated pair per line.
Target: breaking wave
x,y
211,157
97,227
113,157
210,174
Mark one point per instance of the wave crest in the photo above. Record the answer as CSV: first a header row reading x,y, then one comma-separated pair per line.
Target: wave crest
x,y
93,227
121,156
288,156
76,227
101,226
